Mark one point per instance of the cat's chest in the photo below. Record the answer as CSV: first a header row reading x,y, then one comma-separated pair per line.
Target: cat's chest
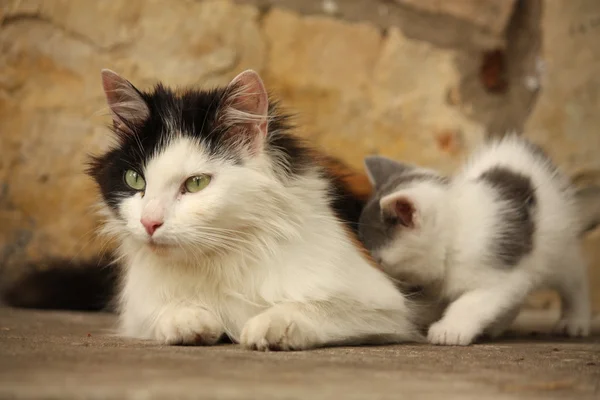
x,y
467,276
224,290
463,277
204,285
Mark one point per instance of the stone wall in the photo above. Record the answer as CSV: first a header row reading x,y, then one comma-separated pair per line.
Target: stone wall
x,y
424,81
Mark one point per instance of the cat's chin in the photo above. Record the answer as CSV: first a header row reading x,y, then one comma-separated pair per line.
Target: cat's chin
x,y
159,248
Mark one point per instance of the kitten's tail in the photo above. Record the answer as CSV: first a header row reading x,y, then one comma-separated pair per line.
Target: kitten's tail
x,y
588,202
65,285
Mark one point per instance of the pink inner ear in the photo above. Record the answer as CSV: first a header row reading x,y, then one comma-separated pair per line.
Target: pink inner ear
x,y
110,82
405,211
250,95
246,109
124,101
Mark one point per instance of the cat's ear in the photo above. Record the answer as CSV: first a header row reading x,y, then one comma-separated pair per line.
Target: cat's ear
x,y
400,208
379,169
126,104
245,109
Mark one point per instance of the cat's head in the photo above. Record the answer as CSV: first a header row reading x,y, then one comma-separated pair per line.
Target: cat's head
x,y
194,171
400,223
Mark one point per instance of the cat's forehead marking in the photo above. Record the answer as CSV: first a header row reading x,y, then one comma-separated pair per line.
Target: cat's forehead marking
x,y
195,115
404,180
187,114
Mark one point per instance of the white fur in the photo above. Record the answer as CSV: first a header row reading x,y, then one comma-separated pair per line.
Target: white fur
x,y
448,251
265,262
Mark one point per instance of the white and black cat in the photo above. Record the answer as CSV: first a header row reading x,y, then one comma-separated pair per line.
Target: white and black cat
x,y
480,241
229,225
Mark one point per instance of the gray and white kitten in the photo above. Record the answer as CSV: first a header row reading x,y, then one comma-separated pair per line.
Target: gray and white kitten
x,y
481,241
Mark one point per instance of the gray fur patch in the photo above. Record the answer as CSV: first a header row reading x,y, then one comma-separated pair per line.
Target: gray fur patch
x,y
400,181
515,235
380,168
373,231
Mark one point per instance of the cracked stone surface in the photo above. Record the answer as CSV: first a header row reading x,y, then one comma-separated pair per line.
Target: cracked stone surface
x,y
73,356
565,119
362,76
492,15
52,111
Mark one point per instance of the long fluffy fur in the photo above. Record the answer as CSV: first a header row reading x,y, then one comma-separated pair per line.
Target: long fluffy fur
x,y
91,284
265,254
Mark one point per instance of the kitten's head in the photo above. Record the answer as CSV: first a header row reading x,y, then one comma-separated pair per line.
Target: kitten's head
x,y
400,223
194,170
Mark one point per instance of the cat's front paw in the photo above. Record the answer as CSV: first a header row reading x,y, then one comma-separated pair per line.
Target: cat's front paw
x,y
188,326
573,327
277,329
449,333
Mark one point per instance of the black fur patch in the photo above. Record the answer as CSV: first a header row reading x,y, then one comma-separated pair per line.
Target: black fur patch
x,y
515,235
193,114
345,204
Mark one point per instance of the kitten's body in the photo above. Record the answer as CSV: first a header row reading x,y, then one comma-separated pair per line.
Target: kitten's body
x,y
261,253
505,225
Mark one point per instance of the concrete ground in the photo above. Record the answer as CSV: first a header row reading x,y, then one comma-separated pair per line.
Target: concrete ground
x,y
59,355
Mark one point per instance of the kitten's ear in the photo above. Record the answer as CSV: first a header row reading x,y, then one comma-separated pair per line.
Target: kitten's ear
x,y
379,169
400,207
126,104
246,109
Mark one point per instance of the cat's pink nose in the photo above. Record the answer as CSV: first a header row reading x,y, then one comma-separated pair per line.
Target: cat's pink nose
x,y
151,225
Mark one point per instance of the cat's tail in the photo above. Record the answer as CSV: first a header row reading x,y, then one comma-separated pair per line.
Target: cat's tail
x,y
588,203
65,285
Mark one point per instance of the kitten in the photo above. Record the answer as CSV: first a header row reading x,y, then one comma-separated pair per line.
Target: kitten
x,y
229,225
505,225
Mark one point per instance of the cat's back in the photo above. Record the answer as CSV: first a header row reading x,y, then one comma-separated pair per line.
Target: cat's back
x,y
519,156
518,168
514,202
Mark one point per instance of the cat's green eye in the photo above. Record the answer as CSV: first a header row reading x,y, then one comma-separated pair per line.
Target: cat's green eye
x,y
134,180
196,183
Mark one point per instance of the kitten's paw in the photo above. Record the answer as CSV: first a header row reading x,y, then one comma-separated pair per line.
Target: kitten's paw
x,y
573,327
451,334
277,330
188,326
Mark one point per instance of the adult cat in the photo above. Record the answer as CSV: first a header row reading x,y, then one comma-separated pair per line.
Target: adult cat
x,y
230,225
